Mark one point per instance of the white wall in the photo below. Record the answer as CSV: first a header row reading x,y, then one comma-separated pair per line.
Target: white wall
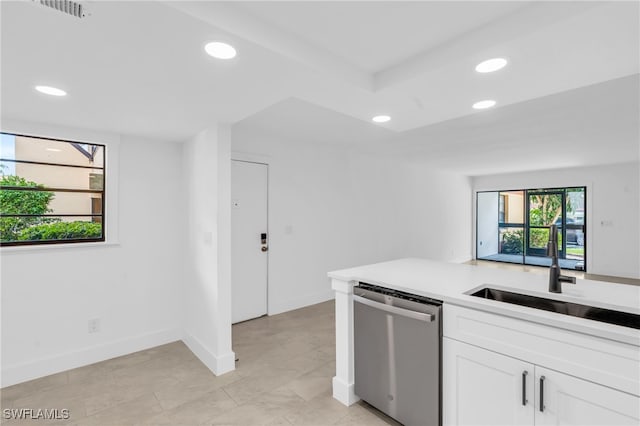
x,y
439,226
487,224
613,209
331,208
131,284
310,223
207,275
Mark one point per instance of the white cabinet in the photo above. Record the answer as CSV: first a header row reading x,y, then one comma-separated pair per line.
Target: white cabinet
x,y
481,387
567,400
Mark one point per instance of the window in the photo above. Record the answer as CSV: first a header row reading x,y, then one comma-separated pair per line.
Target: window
x,y
513,226
51,191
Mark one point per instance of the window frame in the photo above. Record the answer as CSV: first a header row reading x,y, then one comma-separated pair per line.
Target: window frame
x,y
102,192
526,225
503,210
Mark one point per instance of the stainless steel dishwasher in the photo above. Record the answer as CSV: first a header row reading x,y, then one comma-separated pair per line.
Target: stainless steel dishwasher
x,y
397,348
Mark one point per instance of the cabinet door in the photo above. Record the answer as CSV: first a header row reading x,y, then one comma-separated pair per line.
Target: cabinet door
x,y
481,387
567,400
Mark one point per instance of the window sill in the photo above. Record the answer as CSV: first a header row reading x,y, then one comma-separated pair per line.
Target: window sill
x,y
61,246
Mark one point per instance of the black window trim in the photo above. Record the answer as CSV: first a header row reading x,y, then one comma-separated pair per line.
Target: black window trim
x,y
102,192
525,225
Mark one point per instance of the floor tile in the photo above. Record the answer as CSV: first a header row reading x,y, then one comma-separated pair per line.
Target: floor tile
x,y
132,412
312,384
201,410
259,382
362,415
264,409
37,385
193,388
283,377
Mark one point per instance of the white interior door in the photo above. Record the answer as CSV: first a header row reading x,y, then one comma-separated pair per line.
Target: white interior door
x,y
249,243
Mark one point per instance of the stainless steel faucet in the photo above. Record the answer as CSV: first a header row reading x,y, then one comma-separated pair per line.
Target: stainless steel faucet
x,y
555,273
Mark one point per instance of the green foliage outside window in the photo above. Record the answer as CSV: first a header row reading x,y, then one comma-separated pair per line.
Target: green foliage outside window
x,y
546,209
21,202
512,242
62,231
36,203
538,238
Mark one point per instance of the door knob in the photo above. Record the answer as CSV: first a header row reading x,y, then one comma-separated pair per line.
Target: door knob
x,y
265,248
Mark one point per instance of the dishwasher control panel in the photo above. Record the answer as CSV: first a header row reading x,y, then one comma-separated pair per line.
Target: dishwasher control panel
x,y
396,293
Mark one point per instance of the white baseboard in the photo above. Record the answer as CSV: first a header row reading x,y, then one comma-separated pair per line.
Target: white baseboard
x,y
23,372
219,364
344,392
278,307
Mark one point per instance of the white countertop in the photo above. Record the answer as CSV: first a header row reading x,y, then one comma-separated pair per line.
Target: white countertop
x,y
449,282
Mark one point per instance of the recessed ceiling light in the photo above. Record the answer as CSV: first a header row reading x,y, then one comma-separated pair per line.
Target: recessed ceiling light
x,y
381,118
54,149
484,104
53,91
491,65
220,50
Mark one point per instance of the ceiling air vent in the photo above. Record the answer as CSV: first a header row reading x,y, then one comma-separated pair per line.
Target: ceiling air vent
x,y
65,6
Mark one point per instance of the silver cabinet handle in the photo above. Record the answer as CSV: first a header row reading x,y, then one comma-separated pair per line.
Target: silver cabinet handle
x,y
524,387
394,309
542,394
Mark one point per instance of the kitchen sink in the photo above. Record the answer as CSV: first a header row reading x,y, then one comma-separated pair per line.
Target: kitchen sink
x,y
624,319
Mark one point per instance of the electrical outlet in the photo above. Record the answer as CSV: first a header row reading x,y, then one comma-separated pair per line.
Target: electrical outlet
x,y
94,325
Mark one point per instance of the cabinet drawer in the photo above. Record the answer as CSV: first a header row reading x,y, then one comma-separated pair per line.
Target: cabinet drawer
x,y
602,361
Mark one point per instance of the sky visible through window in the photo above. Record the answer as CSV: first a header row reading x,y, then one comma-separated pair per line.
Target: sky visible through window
x,y
8,151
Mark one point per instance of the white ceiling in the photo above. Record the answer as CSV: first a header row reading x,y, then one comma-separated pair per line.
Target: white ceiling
x,y
598,124
307,122
140,68
378,35
131,67
551,46
593,125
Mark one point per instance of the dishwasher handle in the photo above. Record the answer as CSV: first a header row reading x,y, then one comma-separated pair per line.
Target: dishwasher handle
x,y
394,309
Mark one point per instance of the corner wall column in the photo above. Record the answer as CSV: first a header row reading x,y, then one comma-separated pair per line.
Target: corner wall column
x,y
343,382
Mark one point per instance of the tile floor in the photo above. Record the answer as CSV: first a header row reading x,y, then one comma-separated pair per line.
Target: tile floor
x,y
283,377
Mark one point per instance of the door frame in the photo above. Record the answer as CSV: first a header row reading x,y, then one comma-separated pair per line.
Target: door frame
x,y
264,160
